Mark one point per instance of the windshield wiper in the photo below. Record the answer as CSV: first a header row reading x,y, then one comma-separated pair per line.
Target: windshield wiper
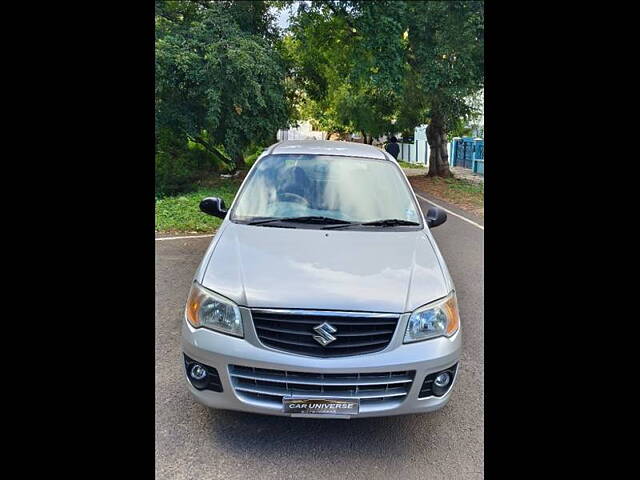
x,y
308,219
388,222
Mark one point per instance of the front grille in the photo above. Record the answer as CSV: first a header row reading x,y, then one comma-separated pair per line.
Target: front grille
x,y
271,385
356,333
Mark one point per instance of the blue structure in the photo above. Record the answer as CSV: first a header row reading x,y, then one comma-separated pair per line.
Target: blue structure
x,y
467,152
477,165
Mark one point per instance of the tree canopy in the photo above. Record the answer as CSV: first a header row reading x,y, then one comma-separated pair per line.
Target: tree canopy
x,y
219,77
348,61
380,66
227,79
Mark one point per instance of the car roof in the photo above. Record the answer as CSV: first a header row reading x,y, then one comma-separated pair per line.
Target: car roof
x,y
327,147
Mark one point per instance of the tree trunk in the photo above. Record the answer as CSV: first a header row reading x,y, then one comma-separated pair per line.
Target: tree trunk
x,y
364,136
438,157
238,160
211,149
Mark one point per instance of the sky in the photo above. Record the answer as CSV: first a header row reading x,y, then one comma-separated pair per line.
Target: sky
x,y
285,14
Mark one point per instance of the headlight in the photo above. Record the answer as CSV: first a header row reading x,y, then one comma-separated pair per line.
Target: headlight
x,y
436,319
210,310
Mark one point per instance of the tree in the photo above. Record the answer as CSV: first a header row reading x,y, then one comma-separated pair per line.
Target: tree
x,y
445,55
377,66
219,75
348,58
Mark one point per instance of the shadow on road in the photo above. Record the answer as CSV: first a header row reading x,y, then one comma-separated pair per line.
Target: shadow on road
x,y
307,438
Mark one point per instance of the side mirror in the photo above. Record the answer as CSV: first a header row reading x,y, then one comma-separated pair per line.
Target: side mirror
x,y
435,217
213,206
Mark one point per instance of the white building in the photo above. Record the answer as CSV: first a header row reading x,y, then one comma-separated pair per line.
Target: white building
x,y
304,131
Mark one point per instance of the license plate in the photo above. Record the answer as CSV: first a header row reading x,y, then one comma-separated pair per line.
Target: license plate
x,y
306,407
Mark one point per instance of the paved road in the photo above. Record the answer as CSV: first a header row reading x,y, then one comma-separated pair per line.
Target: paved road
x,y
193,442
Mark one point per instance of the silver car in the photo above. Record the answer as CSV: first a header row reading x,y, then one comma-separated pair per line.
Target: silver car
x,y
323,292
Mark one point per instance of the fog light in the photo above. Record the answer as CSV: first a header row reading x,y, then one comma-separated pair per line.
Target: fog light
x,y
197,372
439,383
442,380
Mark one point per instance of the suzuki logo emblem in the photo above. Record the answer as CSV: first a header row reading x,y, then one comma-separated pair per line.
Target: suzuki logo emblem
x,y
324,332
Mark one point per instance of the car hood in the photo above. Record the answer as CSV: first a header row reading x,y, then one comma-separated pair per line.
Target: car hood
x,y
376,271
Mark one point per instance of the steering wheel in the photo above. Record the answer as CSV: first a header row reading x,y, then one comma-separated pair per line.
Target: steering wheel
x,y
294,197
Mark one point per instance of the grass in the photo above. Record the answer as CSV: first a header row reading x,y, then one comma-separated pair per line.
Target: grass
x,y
410,165
464,188
467,195
181,214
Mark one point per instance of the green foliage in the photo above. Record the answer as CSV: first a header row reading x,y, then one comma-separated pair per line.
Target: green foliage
x,y
252,154
348,60
173,174
181,163
226,79
174,169
181,213
445,58
219,73
458,128
381,66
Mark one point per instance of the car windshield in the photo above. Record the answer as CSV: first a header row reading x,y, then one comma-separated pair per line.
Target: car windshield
x,y
345,188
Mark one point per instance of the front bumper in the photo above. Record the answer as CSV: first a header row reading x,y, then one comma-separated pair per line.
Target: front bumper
x,y
220,351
